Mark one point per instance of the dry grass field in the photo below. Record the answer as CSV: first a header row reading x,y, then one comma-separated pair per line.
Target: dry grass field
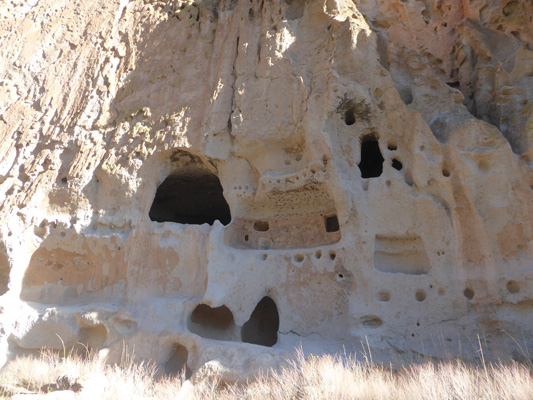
x,y
310,377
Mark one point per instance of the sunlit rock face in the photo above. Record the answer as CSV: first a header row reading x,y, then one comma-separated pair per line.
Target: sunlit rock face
x,y
211,184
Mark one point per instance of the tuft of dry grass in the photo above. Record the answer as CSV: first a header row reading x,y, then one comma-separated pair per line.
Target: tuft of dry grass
x,y
314,378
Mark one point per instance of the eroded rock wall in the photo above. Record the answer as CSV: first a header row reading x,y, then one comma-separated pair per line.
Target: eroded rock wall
x,y
187,178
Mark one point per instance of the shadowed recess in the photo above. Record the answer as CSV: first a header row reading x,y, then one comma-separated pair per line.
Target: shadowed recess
x,y
191,196
212,323
371,164
262,327
4,272
177,362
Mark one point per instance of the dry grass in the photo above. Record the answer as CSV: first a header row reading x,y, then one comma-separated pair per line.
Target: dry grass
x,y
326,377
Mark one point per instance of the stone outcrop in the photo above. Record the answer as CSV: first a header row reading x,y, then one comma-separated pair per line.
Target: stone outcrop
x,y
213,183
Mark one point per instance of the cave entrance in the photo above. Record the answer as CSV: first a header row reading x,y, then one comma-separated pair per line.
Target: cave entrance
x,y
190,195
262,327
212,323
371,164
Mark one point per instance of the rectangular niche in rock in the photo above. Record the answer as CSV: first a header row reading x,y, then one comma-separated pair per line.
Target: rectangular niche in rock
x,y
401,255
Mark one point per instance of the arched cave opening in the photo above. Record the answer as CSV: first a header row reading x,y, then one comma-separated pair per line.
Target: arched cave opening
x,y
371,164
262,327
190,195
212,323
177,362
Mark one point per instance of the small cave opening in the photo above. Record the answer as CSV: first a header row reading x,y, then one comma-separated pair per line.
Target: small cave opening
x,y
332,223
177,362
212,323
262,327
397,164
190,195
91,338
349,117
371,164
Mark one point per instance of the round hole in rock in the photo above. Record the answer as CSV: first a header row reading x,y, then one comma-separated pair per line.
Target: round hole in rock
x,y
299,258
190,195
262,327
349,117
332,223
445,173
513,287
396,164
469,293
341,276
246,237
420,295
212,323
318,254
392,146
332,255
371,164
261,226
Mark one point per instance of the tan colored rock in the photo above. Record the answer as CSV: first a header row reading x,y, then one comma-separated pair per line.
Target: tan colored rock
x,y
212,184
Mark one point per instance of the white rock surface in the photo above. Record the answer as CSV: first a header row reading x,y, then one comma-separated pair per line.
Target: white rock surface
x,y
366,165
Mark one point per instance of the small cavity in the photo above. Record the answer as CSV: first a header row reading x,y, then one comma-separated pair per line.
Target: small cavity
x,y
299,258
332,255
261,226
420,295
212,323
264,256
469,293
318,254
409,178
371,164
384,295
177,362
396,164
246,238
513,287
332,223
371,321
262,327
392,146
445,173
349,117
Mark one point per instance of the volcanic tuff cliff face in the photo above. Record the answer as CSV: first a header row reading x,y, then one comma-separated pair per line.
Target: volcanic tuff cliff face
x,y
191,177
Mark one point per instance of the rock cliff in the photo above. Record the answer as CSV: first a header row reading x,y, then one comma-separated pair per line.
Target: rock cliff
x,y
212,183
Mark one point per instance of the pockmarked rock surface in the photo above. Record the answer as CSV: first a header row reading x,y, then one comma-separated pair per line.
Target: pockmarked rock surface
x,y
213,183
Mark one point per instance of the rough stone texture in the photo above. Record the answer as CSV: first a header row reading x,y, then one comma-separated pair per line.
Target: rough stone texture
x,y
289,103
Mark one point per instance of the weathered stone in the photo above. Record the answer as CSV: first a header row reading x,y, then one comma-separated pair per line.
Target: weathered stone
x,y
211,184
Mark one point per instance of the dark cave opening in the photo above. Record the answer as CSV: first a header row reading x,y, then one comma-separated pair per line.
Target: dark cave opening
x,y
191,196
262,327
212,323
371,164
332,223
